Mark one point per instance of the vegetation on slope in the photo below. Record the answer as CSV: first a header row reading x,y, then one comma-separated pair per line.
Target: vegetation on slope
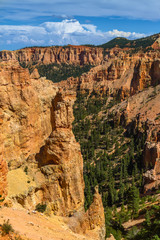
x,y
124,42
58,72
150,228
112,160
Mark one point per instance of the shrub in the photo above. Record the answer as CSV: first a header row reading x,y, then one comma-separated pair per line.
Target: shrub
x,y
41,207
26,170
1,199
6,228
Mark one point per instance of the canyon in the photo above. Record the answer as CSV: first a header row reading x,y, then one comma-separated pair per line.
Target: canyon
x,y
40,159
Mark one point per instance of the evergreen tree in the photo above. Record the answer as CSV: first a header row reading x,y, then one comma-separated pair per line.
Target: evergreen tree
x,y
147,217
133,201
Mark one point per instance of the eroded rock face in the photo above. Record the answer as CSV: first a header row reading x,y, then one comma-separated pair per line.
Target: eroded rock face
x,y
118,70
152,158
35,74
36,130
44,160
90,222
25,116
61,161
95,215
72,55
120,74
151,154
3,179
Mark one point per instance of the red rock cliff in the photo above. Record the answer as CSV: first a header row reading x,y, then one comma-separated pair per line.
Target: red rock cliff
x,y
120,73
71,54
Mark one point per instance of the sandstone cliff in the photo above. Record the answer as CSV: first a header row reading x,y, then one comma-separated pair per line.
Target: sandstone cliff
x,y
119,70
44,160
120,73
25,113
46,55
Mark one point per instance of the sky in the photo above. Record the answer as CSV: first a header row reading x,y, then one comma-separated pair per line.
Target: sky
x,y
61,22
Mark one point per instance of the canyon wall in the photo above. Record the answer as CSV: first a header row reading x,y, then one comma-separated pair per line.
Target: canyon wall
x,y
44,160
140,114
119,70
46,55
120,73
25,116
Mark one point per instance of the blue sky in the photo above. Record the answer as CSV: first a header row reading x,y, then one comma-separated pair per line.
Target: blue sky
x,y
61,22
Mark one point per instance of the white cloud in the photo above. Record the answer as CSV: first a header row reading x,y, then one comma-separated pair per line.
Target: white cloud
x,y
131,35
66,26
58,33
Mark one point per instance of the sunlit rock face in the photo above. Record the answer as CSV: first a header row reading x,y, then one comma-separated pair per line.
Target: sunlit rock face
x,y
120,73
44,160
71,55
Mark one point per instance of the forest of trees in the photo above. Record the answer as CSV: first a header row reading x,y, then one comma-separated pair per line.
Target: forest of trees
x,y
112,160
58,72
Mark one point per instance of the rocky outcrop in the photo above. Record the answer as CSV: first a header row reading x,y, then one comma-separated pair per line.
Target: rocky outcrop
x,y
25,116
91,222
35,74
152,157
36,130
156,44
61,162
121,73
3,180
95,215
45,164
46,55
151,154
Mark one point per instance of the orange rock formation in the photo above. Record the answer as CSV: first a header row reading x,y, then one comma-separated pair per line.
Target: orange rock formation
x,y
71,54
44,160
122,74
3,179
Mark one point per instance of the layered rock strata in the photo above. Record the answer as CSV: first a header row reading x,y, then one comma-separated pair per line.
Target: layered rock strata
x,y
46,55
121,74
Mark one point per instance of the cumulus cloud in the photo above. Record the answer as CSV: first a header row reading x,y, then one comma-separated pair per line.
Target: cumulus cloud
x,y
131,35
58,33
66,26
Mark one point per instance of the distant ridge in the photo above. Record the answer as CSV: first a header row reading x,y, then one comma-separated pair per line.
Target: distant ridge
x,y
124,42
